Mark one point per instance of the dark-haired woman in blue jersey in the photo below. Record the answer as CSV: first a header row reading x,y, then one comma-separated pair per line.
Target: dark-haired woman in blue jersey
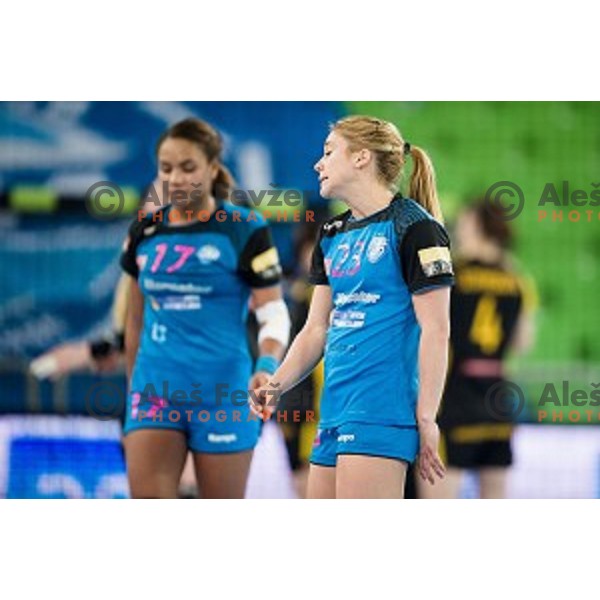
x,y
196,265
379,313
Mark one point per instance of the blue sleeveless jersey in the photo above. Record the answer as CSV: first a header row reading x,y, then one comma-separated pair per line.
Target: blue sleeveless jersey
x,y
373,267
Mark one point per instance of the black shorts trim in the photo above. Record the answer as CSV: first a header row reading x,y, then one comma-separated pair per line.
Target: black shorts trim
x,y
478,455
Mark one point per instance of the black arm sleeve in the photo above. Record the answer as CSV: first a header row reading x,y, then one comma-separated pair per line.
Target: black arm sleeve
x,y
128,257
425,256
259,261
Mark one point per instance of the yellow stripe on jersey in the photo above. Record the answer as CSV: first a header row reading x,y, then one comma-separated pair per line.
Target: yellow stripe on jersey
x,y
308,430
470,434
476,280
442,449
269,258
531,300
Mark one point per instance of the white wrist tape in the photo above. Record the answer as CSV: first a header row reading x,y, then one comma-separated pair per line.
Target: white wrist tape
x,y
274,321
44,367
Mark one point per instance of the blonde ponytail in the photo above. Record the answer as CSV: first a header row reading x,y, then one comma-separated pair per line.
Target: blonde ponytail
x,y
422,186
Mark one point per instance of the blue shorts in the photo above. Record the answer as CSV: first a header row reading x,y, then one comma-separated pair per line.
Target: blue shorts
x,y
210,424
384,441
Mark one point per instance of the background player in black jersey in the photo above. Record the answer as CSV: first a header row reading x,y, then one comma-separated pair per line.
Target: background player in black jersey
x,y
492,309
102,354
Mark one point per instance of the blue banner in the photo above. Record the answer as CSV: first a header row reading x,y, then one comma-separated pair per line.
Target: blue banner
x,y
66,468
67,146
61,457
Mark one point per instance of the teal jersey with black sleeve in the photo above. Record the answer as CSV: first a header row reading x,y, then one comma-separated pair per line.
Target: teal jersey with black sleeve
x,y
196,280
373,267
193,364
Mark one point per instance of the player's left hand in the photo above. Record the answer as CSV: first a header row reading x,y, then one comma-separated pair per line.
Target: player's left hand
x,y
258,381
429,463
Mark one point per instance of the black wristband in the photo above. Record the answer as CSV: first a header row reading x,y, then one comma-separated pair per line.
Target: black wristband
x,y
101,348
104,346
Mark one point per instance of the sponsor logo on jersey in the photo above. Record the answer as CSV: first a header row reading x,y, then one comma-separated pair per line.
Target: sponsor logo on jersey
x,y
149,230
222,438
208,254
154,303
159,333
435,261
345,438
331,228
178,288
349,319
188,302
317,440
376,249
141,261
342,299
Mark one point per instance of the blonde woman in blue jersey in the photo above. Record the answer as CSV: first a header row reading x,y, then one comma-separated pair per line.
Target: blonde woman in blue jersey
x,y
380,315
195,266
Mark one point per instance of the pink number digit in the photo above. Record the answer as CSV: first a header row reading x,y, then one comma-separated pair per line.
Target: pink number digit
x,y
340,269
135,403
186,252
157,405
343,251
161,250
356,258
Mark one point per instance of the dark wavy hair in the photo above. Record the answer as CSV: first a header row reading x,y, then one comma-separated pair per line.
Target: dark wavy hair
x,y
208,139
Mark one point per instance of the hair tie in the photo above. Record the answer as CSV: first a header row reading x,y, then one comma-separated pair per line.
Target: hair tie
x,y
406,149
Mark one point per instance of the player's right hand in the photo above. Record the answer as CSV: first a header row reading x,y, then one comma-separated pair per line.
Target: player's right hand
x,y
429,463
263,399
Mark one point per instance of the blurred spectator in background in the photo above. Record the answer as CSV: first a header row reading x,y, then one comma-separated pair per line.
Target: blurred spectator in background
x,y
492,314
103,354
